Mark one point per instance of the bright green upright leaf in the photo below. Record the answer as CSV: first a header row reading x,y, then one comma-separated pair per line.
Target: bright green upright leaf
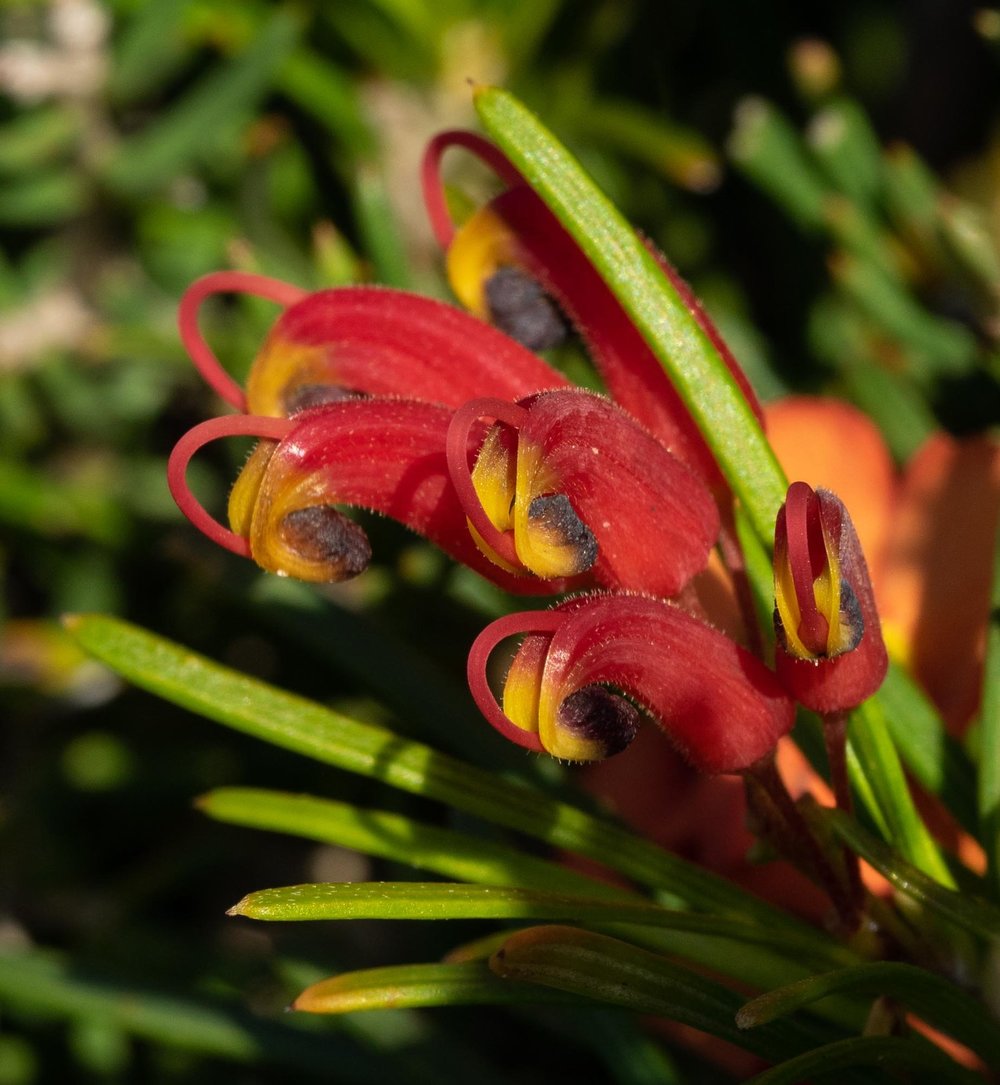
x,y
694,366
878,761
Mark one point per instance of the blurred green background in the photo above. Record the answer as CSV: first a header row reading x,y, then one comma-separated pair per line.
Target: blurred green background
x,y
828,180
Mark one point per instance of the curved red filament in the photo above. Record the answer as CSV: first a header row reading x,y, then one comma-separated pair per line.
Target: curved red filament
x,y
225,282
457,452
232,425
807,560
430,175
476,670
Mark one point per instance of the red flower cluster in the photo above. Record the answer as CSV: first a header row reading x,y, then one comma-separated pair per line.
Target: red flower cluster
x,y
448,422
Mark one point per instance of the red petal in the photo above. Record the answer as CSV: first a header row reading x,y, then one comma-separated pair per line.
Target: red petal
x,y
720,706
633,375
224,282
654,520
383,455
842,682
380,341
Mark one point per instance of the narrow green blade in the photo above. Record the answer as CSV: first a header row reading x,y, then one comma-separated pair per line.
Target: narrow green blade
x,y
693,364
940,1003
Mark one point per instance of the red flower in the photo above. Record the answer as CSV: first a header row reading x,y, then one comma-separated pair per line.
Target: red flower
x,y
830,653
577,493
566,482
571,686
928,533
362,340
514,242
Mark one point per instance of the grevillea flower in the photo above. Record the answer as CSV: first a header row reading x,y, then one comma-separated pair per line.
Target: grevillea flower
x,y
830,654
578,493
513,245
928,534
566,482
362,340
582,668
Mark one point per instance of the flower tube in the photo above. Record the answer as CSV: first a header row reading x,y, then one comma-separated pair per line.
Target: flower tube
x,y
565,482
584,669
383,455
362,340
830,653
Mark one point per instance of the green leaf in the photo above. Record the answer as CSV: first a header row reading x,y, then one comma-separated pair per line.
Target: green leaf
x,y
884,1052
963,909
877,760
931,997
935,759
42,199
149,52
191,128
437,900
294,723
32,140
401,986
608,970
941,347
693,365
711,941
676,152
36,501
393,836
844,143
769,150
323,91
381,237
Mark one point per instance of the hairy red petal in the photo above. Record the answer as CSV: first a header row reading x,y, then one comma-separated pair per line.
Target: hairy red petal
x,y
631,372
380,341
383,455
719,705
654,520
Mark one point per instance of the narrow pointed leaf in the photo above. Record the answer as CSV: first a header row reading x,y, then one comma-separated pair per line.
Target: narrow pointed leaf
x,y
931,997
973,913
706,940
443,900
879,762
393,836
693,364
401,986
255,708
